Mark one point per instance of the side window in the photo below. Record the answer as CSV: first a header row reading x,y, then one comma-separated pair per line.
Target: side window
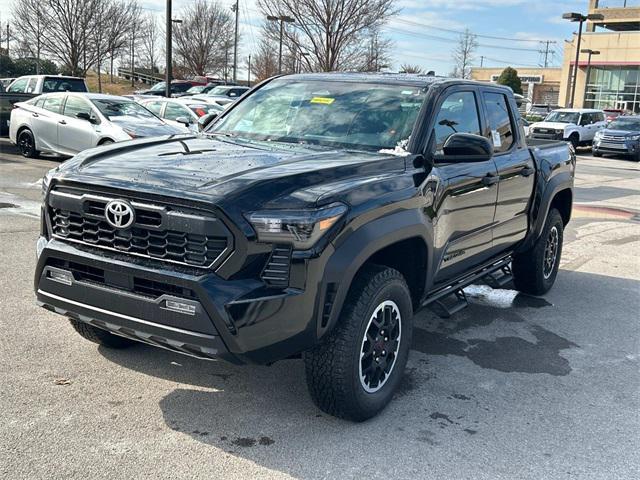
x,y
19,86
586,119
458,114
500,121
599,117
74,106
53,104
173,111
154,107
31,86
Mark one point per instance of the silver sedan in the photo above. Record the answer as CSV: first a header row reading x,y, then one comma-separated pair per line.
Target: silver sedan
x,y
68,123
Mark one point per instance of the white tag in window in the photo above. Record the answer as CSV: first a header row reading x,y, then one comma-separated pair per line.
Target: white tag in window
x,y
497,143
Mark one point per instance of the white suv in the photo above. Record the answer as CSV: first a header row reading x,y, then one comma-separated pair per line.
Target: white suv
x,y
575,125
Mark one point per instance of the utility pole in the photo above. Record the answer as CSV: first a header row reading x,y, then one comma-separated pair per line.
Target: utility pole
x,y
132,59
481,61
8,38
168,73
236,9
281,19
249,72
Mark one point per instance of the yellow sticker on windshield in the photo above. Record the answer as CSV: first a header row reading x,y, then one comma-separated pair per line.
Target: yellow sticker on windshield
x,y
322,100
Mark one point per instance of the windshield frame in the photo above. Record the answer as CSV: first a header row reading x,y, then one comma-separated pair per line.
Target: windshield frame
x,y
405,144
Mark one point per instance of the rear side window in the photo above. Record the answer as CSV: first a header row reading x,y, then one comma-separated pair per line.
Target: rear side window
x,y
75,105
154,107
458,114
61,84
500,122
173,111
52,104
33,83
19,86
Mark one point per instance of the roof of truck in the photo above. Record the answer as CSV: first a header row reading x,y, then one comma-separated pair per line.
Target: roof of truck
x,y
422,80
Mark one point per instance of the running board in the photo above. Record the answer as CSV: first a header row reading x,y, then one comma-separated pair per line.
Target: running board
x,y
499,279
451,299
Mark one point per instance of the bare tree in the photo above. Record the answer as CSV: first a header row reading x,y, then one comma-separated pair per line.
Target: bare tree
x,y
123,19
30,24
201,38
378,54
334,32
463,55
264,63
150,41
407,68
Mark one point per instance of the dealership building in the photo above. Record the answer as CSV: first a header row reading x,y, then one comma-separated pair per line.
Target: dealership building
x,y
614,69
614,73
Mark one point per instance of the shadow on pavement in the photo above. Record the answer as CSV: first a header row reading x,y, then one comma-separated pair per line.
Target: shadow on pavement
x,y
264,414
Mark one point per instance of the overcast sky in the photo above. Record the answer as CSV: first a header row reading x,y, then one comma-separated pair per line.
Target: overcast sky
x,y
424,32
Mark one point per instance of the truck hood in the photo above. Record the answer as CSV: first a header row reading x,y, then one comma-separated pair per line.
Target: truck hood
x,y
552,125
213,169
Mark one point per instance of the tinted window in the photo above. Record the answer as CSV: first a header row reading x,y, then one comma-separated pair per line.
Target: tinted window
x,y
52,104
458,114
599,117
173,111
76,105
19,86
180,87
499,121
61,84
154,107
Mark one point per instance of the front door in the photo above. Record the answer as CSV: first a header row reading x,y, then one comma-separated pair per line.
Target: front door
x,y
515,169
466,200
76,134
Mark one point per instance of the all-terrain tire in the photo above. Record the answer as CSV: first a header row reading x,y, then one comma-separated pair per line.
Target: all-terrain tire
x,y
535,271
596,154
101,337
334,367
574,138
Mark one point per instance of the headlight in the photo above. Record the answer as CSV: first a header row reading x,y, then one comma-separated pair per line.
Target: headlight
x,y
598,135
300,228
46,180
634,137
131,132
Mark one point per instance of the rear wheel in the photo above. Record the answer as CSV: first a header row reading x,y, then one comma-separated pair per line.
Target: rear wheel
x,y
27,144
534,271
106,141
99,336
596,154
354,373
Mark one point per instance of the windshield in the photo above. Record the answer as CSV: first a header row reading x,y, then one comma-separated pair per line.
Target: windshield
x,y
629,124
122,110
219,90
197,89
346,114
158,86
563,117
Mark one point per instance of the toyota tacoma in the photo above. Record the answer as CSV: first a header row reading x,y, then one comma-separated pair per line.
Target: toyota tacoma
x,y
311,219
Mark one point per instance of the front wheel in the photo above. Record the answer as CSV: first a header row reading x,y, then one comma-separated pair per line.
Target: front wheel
x,y
354,373
535,271
575,141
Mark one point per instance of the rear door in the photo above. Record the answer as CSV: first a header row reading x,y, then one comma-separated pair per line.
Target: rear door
x,y
466,204
45,122
515,170
76,134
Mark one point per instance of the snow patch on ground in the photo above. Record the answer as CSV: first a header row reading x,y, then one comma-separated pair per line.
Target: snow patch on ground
x,y
494,297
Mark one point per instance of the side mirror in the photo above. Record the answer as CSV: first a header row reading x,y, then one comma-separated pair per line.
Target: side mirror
x,y
466,147
184,120
205,120
85,116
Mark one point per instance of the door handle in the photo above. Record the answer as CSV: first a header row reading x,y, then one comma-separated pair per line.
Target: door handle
x,y
35,115
62,122
527,171
490,179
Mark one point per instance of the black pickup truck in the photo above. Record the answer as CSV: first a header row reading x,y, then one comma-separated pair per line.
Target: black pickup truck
x,y
313,218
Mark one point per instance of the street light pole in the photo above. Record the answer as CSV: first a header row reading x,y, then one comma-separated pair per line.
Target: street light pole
x,y
236,9
281,19
586,83
578,17
168,72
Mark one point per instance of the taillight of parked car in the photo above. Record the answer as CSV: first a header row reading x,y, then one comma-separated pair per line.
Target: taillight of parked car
x,y
200,110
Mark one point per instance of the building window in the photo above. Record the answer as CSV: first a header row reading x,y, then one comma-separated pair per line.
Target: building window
x,y
614,87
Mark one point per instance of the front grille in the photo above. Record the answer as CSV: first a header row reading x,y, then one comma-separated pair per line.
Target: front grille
x,y
613,139
159,232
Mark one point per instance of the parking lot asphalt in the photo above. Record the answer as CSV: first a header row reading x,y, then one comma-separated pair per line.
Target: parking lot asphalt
x,y
512,387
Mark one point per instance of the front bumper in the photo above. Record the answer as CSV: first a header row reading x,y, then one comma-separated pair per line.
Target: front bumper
x,y
628,147
240,321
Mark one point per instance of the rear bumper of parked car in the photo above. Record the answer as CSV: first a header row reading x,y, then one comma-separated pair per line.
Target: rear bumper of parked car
x,y
204,316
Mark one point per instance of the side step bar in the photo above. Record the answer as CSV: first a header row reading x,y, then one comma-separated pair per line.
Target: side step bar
x,y
451,299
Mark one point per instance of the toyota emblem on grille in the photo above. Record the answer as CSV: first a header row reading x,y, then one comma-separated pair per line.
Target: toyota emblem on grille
x,y
119,214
